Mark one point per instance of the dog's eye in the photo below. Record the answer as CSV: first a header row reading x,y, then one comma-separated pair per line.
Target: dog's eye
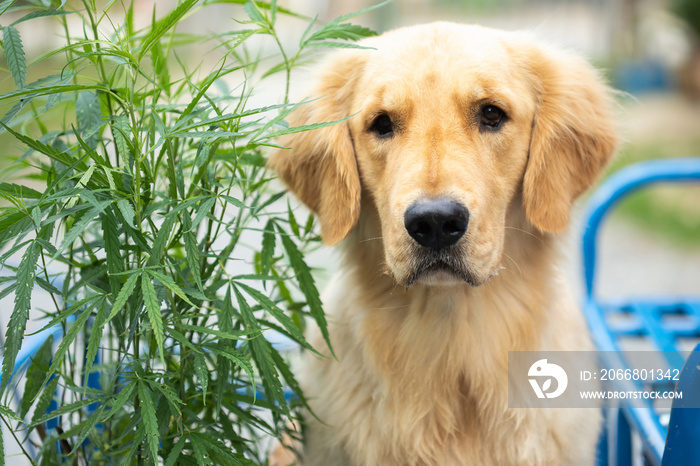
x,y
491,117
382,126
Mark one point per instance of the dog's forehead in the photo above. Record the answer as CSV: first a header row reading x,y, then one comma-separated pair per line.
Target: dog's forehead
x,y
443,57
462,47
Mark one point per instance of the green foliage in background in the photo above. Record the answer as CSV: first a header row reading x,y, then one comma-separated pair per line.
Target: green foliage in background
x,y
688,11
138,199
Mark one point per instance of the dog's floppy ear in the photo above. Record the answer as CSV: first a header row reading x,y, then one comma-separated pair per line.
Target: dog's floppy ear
x,y
320,166
573,136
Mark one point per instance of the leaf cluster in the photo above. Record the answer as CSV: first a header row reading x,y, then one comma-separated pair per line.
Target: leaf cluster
x,y
139,201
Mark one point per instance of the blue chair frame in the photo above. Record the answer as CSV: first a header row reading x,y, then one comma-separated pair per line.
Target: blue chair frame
x,y
679,443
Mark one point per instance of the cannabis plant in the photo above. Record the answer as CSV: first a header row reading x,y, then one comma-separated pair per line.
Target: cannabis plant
x,y
134,192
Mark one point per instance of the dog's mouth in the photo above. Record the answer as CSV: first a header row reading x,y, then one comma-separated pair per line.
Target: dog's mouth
x,y
442,267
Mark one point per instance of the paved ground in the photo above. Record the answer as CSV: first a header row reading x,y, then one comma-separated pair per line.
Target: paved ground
x,y
633,262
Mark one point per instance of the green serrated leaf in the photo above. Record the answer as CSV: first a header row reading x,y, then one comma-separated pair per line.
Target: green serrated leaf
x,y
43,284
13,221
14,53
51,90
303,128
271,200
192,249
200,368
20,314
203,150
175,452
110,179
200,451
268,247
69,311
88,425
121,399
44,401
110,233
150,298
343,18
124,294
233,201
202,211
95,339
75,328
81,225
35,375
174,402
308,228
136,442
164,25
5,5
261,350
42,14
89,116
85,179
63,410
182,339
14,111
215,449
235,357
121,131
230,335
170,284
47,150
161,240
289,378
342,32
196,294
150,422
337,45
254,13
307,286
292,221
127,211
273,11
17,190
8,413
160,63
36,217
278,314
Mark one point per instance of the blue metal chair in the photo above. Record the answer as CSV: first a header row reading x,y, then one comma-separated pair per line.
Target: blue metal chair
x,y
676,443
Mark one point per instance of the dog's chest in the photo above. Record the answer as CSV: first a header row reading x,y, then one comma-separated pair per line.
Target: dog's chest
x,y
406,375
422,380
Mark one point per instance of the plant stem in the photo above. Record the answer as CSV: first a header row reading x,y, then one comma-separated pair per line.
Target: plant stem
x,y
12,432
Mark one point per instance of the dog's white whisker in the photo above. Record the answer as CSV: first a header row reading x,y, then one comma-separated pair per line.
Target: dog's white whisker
x,y
370,239
514,263
529,233
520,230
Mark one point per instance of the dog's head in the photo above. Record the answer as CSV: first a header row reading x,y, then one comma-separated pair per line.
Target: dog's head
x,y
452,128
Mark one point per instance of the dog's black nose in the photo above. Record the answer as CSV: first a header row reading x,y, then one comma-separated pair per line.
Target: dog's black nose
x,y
436,223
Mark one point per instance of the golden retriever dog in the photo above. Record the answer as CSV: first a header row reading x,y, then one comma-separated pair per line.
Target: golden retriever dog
x,y
448,187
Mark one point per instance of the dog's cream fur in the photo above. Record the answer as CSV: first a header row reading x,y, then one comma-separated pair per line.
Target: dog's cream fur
x,y
421,370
